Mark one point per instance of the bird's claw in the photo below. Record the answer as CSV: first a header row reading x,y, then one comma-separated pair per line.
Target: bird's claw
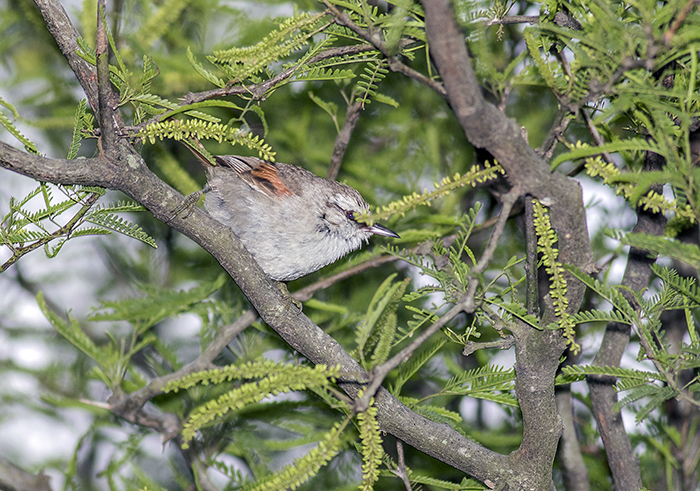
x,y
289,300
189,204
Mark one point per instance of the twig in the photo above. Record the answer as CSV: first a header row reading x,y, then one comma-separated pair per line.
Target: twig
x,y
307,292
509,201
472,346
514,19
396,66
380,372
561,122
373,38
596,136
130,407
401,468
64,231
352,116
671,31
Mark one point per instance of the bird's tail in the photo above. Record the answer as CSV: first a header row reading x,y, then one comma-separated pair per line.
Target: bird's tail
x,y
196,147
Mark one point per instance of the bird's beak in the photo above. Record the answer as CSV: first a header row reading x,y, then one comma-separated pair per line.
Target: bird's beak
x,y
382,230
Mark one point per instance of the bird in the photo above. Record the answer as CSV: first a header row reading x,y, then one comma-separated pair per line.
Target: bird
x,y
291,221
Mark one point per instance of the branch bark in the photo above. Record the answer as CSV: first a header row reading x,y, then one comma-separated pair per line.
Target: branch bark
x,y
621,459
60,27
14,478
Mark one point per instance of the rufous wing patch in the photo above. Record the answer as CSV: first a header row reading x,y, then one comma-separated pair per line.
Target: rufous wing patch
x,y
268,180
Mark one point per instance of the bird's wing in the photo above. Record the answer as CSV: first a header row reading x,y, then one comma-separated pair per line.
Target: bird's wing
x,y
259,174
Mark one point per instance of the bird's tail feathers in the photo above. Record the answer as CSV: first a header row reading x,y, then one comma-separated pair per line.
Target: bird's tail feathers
x,y
202,154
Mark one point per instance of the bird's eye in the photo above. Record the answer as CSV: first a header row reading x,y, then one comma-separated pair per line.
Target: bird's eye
x,y
350,215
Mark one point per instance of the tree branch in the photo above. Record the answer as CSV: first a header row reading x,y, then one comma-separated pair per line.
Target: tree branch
x,y
514,19
14,478
621,459
503,343
62,30
352,116
375,40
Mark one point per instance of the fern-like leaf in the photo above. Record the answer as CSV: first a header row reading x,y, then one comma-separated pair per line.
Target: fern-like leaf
x,y
155,305
9,126
78,126
411,367
576,373
106,219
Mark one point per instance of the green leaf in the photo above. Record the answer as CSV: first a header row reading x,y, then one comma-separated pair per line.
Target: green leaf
x,y
156,305
106,219
9,126
575,373
675,249
411,367
635,144
70,330
78,126
376,307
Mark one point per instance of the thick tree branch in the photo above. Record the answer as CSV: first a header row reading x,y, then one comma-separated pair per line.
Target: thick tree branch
x,y
57,171
621,459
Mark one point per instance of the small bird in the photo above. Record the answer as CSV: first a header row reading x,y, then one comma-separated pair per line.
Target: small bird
x,y
292,221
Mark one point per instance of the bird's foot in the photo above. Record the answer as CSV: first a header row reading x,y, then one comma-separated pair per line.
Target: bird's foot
x,y
188,205
289,300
